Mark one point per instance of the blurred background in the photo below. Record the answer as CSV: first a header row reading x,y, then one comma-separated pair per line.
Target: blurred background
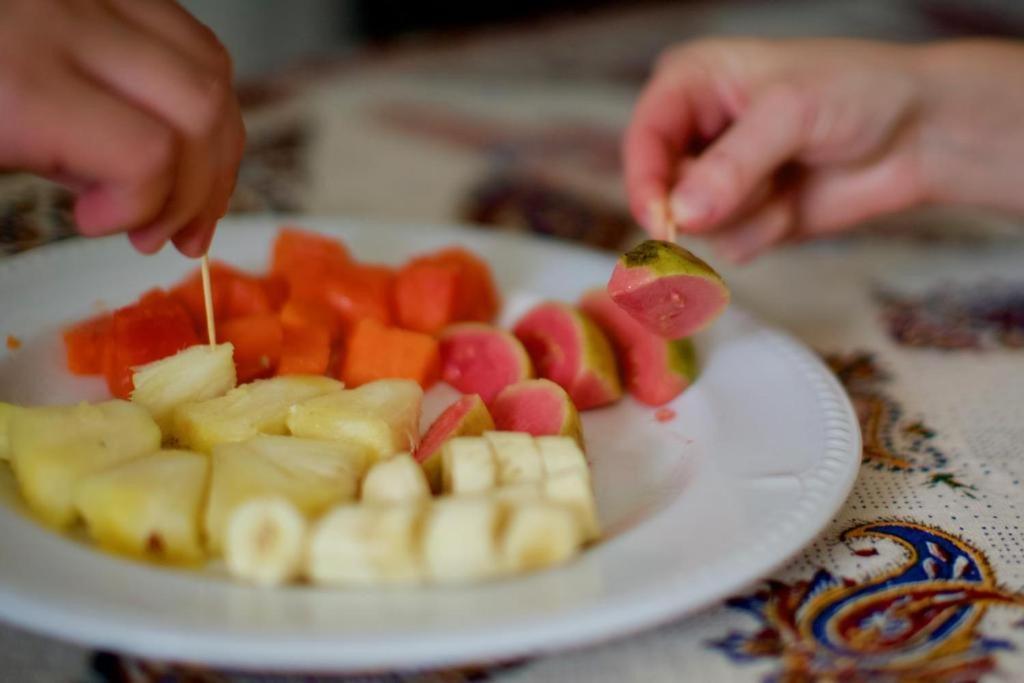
x,y
502,114
264,35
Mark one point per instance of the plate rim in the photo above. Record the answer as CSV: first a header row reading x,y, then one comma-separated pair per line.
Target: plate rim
x,y
825,488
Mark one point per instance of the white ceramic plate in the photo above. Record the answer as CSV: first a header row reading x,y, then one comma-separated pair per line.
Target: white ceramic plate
x,y
763,451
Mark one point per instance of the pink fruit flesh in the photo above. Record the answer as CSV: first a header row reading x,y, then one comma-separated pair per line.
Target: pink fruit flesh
x,y
648,366
538,409
479,359
551,339
446,425
672,306
554,337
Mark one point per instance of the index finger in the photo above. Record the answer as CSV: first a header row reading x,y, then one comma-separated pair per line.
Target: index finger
x,y
655,139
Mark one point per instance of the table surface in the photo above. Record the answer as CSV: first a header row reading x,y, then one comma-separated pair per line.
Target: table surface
x,y
922,318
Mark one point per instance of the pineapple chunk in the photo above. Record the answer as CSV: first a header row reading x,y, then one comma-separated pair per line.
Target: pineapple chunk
x,y
572,489
148,506
6,411
311,474
358,545
195,374
260,407
382,415
539,534
460,539
398,479
517,456
468,466
52,448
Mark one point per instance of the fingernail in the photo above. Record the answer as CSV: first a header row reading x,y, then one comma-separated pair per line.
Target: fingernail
x,y
689,210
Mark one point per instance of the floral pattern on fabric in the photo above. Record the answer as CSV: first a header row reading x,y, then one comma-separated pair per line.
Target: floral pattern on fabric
x,y
919,621
984,316
891,440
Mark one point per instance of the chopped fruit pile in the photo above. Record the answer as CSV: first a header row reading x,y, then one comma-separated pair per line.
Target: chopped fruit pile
x,y
318,311
292,448
298,478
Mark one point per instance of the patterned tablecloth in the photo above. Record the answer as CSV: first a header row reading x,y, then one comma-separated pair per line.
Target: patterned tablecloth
x,y
920,576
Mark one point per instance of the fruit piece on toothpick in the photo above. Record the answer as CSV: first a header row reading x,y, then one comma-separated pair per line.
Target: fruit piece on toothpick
x,y
569,349
538,407
398,479
361,545
265,541
655,369
667,289
147,507
466,417
260,407
382,416
196,374
52,448
482,359
313,475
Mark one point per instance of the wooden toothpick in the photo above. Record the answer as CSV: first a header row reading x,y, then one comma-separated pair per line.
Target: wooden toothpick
x,y
208,300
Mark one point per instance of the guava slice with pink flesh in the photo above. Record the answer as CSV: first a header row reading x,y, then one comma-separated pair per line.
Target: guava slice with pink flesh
x,y
468,416
538,407
482,359
570,350
655,369
667,289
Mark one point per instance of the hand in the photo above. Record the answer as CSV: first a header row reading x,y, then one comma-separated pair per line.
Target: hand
x,y
753,142
129,103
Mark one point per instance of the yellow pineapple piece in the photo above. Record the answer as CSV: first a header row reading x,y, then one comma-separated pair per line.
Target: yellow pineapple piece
x,y
311,474
196,374
384,416
260,407
52,448
149,506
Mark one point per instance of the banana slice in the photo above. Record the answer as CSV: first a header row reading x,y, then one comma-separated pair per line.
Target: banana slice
x,y
358,545
266,541
395,480
524,491
468,466
560,454
572,489
460,539
539,534
517,457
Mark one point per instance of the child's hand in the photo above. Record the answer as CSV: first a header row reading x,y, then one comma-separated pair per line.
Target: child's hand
x,y
129,102
755,142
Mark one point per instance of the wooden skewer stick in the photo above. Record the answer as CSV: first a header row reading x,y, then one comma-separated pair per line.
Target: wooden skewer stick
x,y
208,300
666,220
